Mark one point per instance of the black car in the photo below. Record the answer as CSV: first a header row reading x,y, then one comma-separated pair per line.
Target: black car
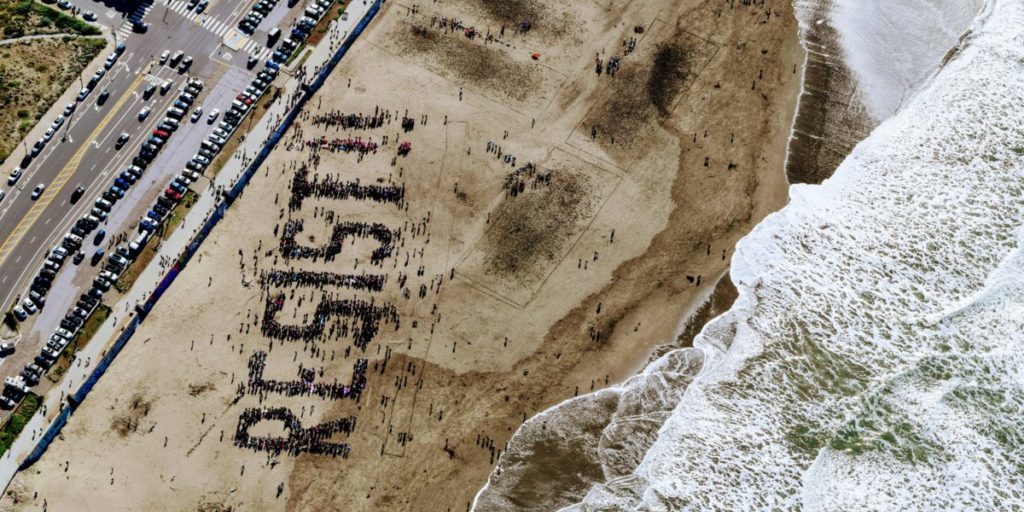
x,y
139,27
79,256
102,98
71,322
185,64
147,155
161,209
86,224
77,194
140,162
165,202
77,231
167,127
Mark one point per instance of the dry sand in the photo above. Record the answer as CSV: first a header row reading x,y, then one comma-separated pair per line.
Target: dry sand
x,y
526,300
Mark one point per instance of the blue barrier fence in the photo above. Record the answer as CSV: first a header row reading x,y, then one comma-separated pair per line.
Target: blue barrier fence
x,y
193,246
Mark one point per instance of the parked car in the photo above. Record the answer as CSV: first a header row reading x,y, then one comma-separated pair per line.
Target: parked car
x,y
97,256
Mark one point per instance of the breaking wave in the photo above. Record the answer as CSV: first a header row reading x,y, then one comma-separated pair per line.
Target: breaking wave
x,y
874,359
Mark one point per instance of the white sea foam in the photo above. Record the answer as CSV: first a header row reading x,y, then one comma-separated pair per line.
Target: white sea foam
x,y
893,46
875,357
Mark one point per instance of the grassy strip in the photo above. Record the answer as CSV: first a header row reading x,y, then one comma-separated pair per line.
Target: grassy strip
x,y
295,54
92,324
19,18
179,212
63,22
18,420
148,252
320,30
260,107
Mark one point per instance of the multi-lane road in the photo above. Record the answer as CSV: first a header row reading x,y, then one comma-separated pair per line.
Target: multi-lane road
x,y
83,153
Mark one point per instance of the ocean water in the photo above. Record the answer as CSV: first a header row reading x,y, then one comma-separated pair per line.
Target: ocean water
x,y
874,359
893,46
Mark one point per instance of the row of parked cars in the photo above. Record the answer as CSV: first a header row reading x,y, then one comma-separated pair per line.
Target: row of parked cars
x,y
303,27
116,263
257,12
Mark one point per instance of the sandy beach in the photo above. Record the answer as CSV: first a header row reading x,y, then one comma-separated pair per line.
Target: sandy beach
x,y
464,228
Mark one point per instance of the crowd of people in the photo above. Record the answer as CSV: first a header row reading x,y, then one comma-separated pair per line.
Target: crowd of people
x,y
342,121
346,145
291,249
310,279
306,384
299,440
339,189
368,318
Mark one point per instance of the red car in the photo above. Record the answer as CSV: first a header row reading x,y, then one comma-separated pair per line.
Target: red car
x,y
172,194
162,134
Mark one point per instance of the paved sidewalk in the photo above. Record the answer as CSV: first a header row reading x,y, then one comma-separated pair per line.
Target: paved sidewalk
x,y
171,248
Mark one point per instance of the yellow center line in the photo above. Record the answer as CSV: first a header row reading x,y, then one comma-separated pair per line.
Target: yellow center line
x,y
62,178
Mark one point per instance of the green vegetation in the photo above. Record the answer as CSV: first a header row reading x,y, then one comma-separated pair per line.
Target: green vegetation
x,y
33,75
321,28
29,18
298,51
18,420
178,213
146,254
